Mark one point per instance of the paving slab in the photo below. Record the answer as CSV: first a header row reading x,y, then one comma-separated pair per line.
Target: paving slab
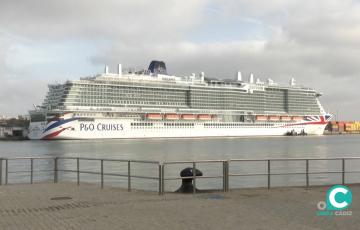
x,y
68,206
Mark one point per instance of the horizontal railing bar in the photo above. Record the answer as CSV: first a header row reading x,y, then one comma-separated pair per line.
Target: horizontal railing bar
x,y
145,177
290,173
178,162
28,158
202,177
188,162
10,172
90,172
294,159
147,162
249,174
107,159
110,174
66,170
30,171
324,172
115,174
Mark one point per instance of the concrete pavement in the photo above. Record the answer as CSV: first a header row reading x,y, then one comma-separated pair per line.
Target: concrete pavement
x,y
67,206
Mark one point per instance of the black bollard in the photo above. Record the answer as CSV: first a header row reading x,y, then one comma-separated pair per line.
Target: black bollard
x,y
187,185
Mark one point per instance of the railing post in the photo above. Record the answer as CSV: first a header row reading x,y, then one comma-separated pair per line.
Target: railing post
x,y
227,175
163,179
6,171
224,176
55,170
102,173
31,170
307,173
1,170
194,177
160,179
268,172
78,171
129,176
343,172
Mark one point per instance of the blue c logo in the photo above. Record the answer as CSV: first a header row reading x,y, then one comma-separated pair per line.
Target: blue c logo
x,y
338,197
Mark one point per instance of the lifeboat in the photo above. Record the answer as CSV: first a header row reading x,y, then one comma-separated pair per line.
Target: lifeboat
x,y
285,118
297,118
188,116
261,118
274,118
204,117
213,116
172,116
154,116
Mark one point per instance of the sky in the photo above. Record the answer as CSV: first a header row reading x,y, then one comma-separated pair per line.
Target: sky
x,y
48,41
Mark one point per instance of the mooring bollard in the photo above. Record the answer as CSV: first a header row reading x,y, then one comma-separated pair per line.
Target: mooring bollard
x,y
187,185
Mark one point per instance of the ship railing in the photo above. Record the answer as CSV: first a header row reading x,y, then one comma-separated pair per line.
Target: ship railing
x,y
164,174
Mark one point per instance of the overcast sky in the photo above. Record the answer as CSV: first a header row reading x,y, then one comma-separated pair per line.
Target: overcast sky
x,y
47,41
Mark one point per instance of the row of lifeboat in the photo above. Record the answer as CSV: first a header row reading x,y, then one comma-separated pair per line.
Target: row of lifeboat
x,y
278,118
174,116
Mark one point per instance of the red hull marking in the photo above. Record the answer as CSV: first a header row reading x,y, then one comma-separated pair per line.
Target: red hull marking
x,y
54,134
321,122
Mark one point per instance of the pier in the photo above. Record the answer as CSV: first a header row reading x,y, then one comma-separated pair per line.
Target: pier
x,y
68,206
55,203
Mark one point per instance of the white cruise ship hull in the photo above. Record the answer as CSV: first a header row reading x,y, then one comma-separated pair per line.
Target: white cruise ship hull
x,y
75,128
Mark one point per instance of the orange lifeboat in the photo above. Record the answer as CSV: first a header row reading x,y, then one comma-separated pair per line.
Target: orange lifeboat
x,y
172,116
274,118
285,118
204,117
154,116
188,116
261,118
297,118
213,116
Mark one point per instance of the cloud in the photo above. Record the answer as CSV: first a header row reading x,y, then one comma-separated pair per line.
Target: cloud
x,y
317,42
108,19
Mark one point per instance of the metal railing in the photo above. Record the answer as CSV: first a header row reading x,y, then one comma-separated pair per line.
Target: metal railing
x,y
306,172
162,167
77,170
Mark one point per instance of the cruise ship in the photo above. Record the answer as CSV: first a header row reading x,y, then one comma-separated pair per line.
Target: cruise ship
x,y
151,103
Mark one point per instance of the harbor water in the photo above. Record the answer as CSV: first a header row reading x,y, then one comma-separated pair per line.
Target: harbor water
x,y
189,150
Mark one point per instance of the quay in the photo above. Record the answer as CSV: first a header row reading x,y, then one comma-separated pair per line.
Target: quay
x,y
68,206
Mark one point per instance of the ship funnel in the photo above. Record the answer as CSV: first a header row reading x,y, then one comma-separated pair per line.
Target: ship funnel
x,y
251,79
238,76
106,69
157,67
120,69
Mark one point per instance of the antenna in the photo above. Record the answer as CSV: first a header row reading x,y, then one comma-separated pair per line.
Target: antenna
x,y
202,76
239,77
119,69
251,79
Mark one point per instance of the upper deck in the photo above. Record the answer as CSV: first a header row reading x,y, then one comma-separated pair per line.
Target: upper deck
x,y
156,89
